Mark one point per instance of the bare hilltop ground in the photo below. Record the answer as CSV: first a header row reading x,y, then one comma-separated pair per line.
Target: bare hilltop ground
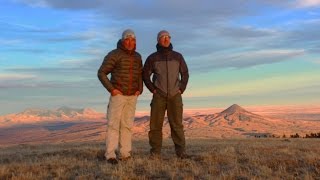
x,y
241,159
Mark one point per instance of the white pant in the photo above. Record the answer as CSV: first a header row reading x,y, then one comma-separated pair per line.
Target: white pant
x,y
120,116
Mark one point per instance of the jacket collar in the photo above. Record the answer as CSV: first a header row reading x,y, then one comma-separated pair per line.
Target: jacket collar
x,y
164,49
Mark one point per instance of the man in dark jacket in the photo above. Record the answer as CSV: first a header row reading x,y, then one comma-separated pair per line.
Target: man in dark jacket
x,y
125,85
166,67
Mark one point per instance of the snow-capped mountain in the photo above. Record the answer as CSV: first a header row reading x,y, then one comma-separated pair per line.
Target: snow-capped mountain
x,y
30,116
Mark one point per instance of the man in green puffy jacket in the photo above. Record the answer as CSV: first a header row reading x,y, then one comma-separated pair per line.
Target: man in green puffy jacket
x,y
169,80
125,85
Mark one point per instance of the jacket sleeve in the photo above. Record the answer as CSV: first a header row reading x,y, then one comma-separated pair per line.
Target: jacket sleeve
x,y
146,73
140,77
184,74
107,67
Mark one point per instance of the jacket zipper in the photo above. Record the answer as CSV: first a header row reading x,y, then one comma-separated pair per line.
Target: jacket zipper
x,y
131,74
167,77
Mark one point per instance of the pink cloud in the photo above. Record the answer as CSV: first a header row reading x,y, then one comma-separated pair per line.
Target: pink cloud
x,y
307,3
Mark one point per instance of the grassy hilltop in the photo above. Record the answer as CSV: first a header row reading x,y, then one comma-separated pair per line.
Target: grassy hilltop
x,y
211,159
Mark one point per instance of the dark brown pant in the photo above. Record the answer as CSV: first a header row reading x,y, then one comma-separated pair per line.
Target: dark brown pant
x,y
174,108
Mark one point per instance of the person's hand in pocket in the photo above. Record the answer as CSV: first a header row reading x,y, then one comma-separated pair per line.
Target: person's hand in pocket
x,y
137,93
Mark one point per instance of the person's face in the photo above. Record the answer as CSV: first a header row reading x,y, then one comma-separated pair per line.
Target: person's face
x,y
164,41
129,43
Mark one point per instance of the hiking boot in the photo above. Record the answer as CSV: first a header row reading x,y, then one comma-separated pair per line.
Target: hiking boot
x,y
183,156
125,158
112,161
154,156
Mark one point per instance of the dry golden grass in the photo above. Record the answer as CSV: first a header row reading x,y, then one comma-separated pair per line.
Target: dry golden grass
x,y
211,159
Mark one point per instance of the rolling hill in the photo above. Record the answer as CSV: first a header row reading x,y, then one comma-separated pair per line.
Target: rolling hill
x,y
77,125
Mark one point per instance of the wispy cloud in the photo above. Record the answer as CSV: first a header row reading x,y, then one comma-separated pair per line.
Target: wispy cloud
x,y
65,73
27,27
10,41
179,9
71,4
291,4
153,8
271,84
263,57
92,51
87,64
307,3
209,20
82,36
51,70
41,79
16,80
26,50
303,34
13,77
244,32
316,61
244,59
42,84
307,31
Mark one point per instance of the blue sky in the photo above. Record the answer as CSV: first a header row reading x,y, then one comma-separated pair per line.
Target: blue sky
x,y
250,52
